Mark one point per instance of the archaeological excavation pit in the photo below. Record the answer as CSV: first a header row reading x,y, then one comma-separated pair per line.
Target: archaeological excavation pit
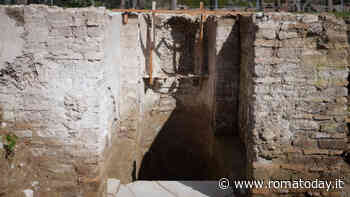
x,y
94,95
187,117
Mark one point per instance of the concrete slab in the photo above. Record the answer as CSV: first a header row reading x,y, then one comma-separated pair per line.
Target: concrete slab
x,y
113,186
124,191
173,189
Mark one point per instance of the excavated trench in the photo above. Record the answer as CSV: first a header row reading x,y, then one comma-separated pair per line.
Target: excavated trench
x,y
201,142
197,135
186,148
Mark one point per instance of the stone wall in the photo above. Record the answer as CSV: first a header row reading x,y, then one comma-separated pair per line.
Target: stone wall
x,y
59,89
294,81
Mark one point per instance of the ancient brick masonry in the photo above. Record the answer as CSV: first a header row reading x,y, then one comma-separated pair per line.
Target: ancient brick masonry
x,y
58,95
293,96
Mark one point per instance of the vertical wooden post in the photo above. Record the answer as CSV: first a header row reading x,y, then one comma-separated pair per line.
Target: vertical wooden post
x,y
154,4
201,6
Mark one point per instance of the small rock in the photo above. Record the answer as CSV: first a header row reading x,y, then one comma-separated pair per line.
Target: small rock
x,y
310,18
267,135
315,28
287,35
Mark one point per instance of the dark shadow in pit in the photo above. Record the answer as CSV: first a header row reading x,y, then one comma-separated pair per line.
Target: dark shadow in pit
x,y
227,82
186,147
181,150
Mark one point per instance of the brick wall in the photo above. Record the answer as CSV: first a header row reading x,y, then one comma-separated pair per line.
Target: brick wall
x,y
294,97
58,95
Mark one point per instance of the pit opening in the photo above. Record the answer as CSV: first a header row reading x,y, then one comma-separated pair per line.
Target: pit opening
x,y
199,139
